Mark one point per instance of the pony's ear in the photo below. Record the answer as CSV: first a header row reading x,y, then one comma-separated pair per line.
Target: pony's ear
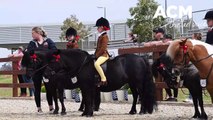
x,y
183,41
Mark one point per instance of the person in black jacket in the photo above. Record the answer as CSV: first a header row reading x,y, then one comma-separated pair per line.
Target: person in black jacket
x,y
209,18
40,40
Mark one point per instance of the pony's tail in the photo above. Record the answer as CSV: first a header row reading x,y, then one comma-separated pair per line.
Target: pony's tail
x,y
149,92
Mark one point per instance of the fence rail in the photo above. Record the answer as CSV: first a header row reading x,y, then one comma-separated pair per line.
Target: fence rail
x,y
14,72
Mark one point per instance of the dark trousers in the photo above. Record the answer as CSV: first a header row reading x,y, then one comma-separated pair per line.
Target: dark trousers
x,y
31,90
37,81
169,92
21,80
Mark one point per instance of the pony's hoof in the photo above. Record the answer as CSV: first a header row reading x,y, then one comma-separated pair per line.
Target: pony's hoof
x,y
89,115
55,112
83,114
132,112
141,113
80,109
96,109
203,117
63,113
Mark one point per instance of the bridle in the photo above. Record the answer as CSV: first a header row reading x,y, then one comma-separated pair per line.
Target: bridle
x,y
64,68
165,69
186,62
36,59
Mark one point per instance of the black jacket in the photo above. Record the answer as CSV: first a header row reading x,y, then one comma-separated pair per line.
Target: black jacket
x,y
47,44
209,37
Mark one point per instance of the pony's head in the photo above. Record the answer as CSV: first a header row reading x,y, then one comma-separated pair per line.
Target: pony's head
x,y
34,61
164,66
55,64
65,61
179,51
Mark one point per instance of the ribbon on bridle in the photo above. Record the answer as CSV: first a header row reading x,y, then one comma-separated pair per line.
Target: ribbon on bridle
x,y
185,48
162,66
34,57
57,57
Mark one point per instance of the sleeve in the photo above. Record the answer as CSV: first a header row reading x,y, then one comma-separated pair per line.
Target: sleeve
x,y
103,47
31,46
18,55
51,44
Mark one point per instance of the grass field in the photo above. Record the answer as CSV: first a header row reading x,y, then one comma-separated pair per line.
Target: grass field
x,y
7,92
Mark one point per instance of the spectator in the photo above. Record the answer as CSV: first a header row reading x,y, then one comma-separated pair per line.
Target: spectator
x,y
19,53
197,36
209,18
31,90
167,39
163,39
131,38
158,37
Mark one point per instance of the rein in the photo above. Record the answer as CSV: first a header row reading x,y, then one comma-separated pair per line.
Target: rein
x,y
65,68
39,69
203,58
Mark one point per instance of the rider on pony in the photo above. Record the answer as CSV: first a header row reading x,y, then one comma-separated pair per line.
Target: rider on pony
x,y
209,18
101,52
72,38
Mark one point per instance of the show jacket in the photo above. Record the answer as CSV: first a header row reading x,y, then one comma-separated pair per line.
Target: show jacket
x,y
72,44
101,49
209,37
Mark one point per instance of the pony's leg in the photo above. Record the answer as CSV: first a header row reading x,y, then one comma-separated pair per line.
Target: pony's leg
x,y
50,93
87,96
97,99
61,98
195,102
82,105
54,93
200,100
135,98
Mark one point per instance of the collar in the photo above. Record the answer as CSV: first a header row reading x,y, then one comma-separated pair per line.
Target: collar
x,y
101,33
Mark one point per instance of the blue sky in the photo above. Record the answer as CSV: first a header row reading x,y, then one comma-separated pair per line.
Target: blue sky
x,y
55,11
21,12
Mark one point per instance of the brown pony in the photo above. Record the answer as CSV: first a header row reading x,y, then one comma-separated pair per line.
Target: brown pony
x,y
199,53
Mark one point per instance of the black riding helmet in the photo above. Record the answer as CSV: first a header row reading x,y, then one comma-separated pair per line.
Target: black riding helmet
x,y
209,15
71,31
102,22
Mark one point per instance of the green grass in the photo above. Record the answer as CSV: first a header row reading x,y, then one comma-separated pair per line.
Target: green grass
x,y
5,92
183,94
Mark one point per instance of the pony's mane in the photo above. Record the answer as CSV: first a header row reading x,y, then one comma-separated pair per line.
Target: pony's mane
x,y
171,50
75,51
208,47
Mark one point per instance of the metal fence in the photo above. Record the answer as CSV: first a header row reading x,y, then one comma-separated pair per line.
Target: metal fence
x,y
186,26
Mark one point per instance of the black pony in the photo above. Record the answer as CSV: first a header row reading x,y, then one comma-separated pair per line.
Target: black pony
x,y
36,61
128,68
190,77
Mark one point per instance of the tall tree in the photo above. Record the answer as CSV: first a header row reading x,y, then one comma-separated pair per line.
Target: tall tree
x,y
72,21
142,22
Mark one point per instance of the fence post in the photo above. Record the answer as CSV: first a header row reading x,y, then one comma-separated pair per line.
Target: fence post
x,y
15,88
159,91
